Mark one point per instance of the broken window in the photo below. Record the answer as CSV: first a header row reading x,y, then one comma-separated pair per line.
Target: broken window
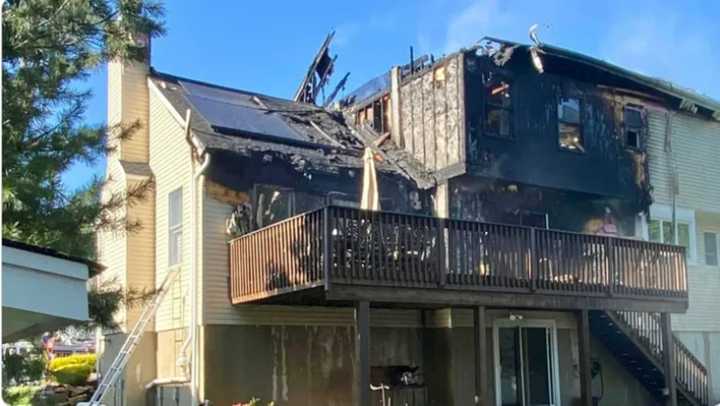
x,y
498,108
570,124
273,204
634,125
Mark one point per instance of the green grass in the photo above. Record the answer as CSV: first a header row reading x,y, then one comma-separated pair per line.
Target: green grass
x,y
20,395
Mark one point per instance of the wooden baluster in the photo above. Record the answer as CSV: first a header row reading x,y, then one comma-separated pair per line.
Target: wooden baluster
x,y
533,270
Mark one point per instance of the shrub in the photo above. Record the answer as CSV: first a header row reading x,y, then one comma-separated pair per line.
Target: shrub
x,y
73,369
20,395
22,368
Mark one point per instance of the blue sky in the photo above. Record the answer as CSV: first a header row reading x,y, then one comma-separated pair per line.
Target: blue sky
x,y
266,46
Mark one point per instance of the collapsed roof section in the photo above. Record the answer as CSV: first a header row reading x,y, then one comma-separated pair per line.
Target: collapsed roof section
x,y
245,123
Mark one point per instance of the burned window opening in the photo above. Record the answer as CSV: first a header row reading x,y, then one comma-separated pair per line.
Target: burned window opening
x,y
498,107
376,115
634,125
273,204
570,134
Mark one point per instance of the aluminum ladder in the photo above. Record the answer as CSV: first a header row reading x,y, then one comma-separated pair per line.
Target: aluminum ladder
x,y
128,347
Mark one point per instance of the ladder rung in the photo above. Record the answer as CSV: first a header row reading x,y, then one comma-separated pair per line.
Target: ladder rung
x,y
131,341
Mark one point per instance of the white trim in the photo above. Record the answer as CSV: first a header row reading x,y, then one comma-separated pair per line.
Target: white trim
x,y
44,263
552,328
682,215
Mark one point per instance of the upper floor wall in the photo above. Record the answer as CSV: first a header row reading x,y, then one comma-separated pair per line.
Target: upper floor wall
x,y
551,130
432,115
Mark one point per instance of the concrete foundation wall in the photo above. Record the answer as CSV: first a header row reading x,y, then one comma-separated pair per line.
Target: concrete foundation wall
x,y
296,365
315,365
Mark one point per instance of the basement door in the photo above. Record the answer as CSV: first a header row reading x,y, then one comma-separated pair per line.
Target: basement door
x,y
526,372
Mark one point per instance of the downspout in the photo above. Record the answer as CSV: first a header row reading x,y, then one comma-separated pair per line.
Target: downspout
x,y
675,181
191,341
198,176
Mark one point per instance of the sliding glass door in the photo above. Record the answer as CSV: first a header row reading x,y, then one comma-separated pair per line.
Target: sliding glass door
x,y
525,363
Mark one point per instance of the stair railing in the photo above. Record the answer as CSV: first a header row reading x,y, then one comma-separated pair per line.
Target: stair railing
x,y
690,373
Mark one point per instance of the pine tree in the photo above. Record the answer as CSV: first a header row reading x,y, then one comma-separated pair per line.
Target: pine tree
x,y
49,48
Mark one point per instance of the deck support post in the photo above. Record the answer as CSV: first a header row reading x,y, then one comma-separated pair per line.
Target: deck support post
x,y
362,353
668,359
585,363
481,381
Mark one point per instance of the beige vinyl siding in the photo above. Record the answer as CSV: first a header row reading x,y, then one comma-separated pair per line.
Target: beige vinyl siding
x,y
172,167
216,306
695,144
135,107
114,108
112,243
696,147
141,248
127,103
703,282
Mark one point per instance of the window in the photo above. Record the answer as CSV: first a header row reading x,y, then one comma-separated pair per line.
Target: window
x,y
634,125
175,227
570,124
711,248
498,108
662,231
660,228
273,204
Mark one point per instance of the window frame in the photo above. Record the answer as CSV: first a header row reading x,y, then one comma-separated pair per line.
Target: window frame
x,y
579,124
553,352
174,229
717,247
489,106
640,129
682,216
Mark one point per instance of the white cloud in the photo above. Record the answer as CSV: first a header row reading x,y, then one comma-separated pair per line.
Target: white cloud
x,y
661,43
471,24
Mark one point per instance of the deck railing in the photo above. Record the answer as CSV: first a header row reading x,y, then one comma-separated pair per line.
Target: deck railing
x,y
690,373
345,245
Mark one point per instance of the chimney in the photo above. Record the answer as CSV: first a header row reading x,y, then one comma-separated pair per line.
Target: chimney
x,y
128,103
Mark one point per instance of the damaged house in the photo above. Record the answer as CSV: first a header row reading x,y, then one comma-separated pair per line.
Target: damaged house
x,y
535,244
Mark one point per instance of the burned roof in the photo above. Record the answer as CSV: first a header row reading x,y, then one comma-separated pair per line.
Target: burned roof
x,y
589,68
246,123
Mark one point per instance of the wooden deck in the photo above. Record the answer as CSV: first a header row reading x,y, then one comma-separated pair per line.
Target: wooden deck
x,y
340,254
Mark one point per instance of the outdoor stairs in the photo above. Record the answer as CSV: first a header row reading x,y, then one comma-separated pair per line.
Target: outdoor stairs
x,y
635,339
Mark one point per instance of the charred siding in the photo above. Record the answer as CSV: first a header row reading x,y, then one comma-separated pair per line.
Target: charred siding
x,y
431,115
533,155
